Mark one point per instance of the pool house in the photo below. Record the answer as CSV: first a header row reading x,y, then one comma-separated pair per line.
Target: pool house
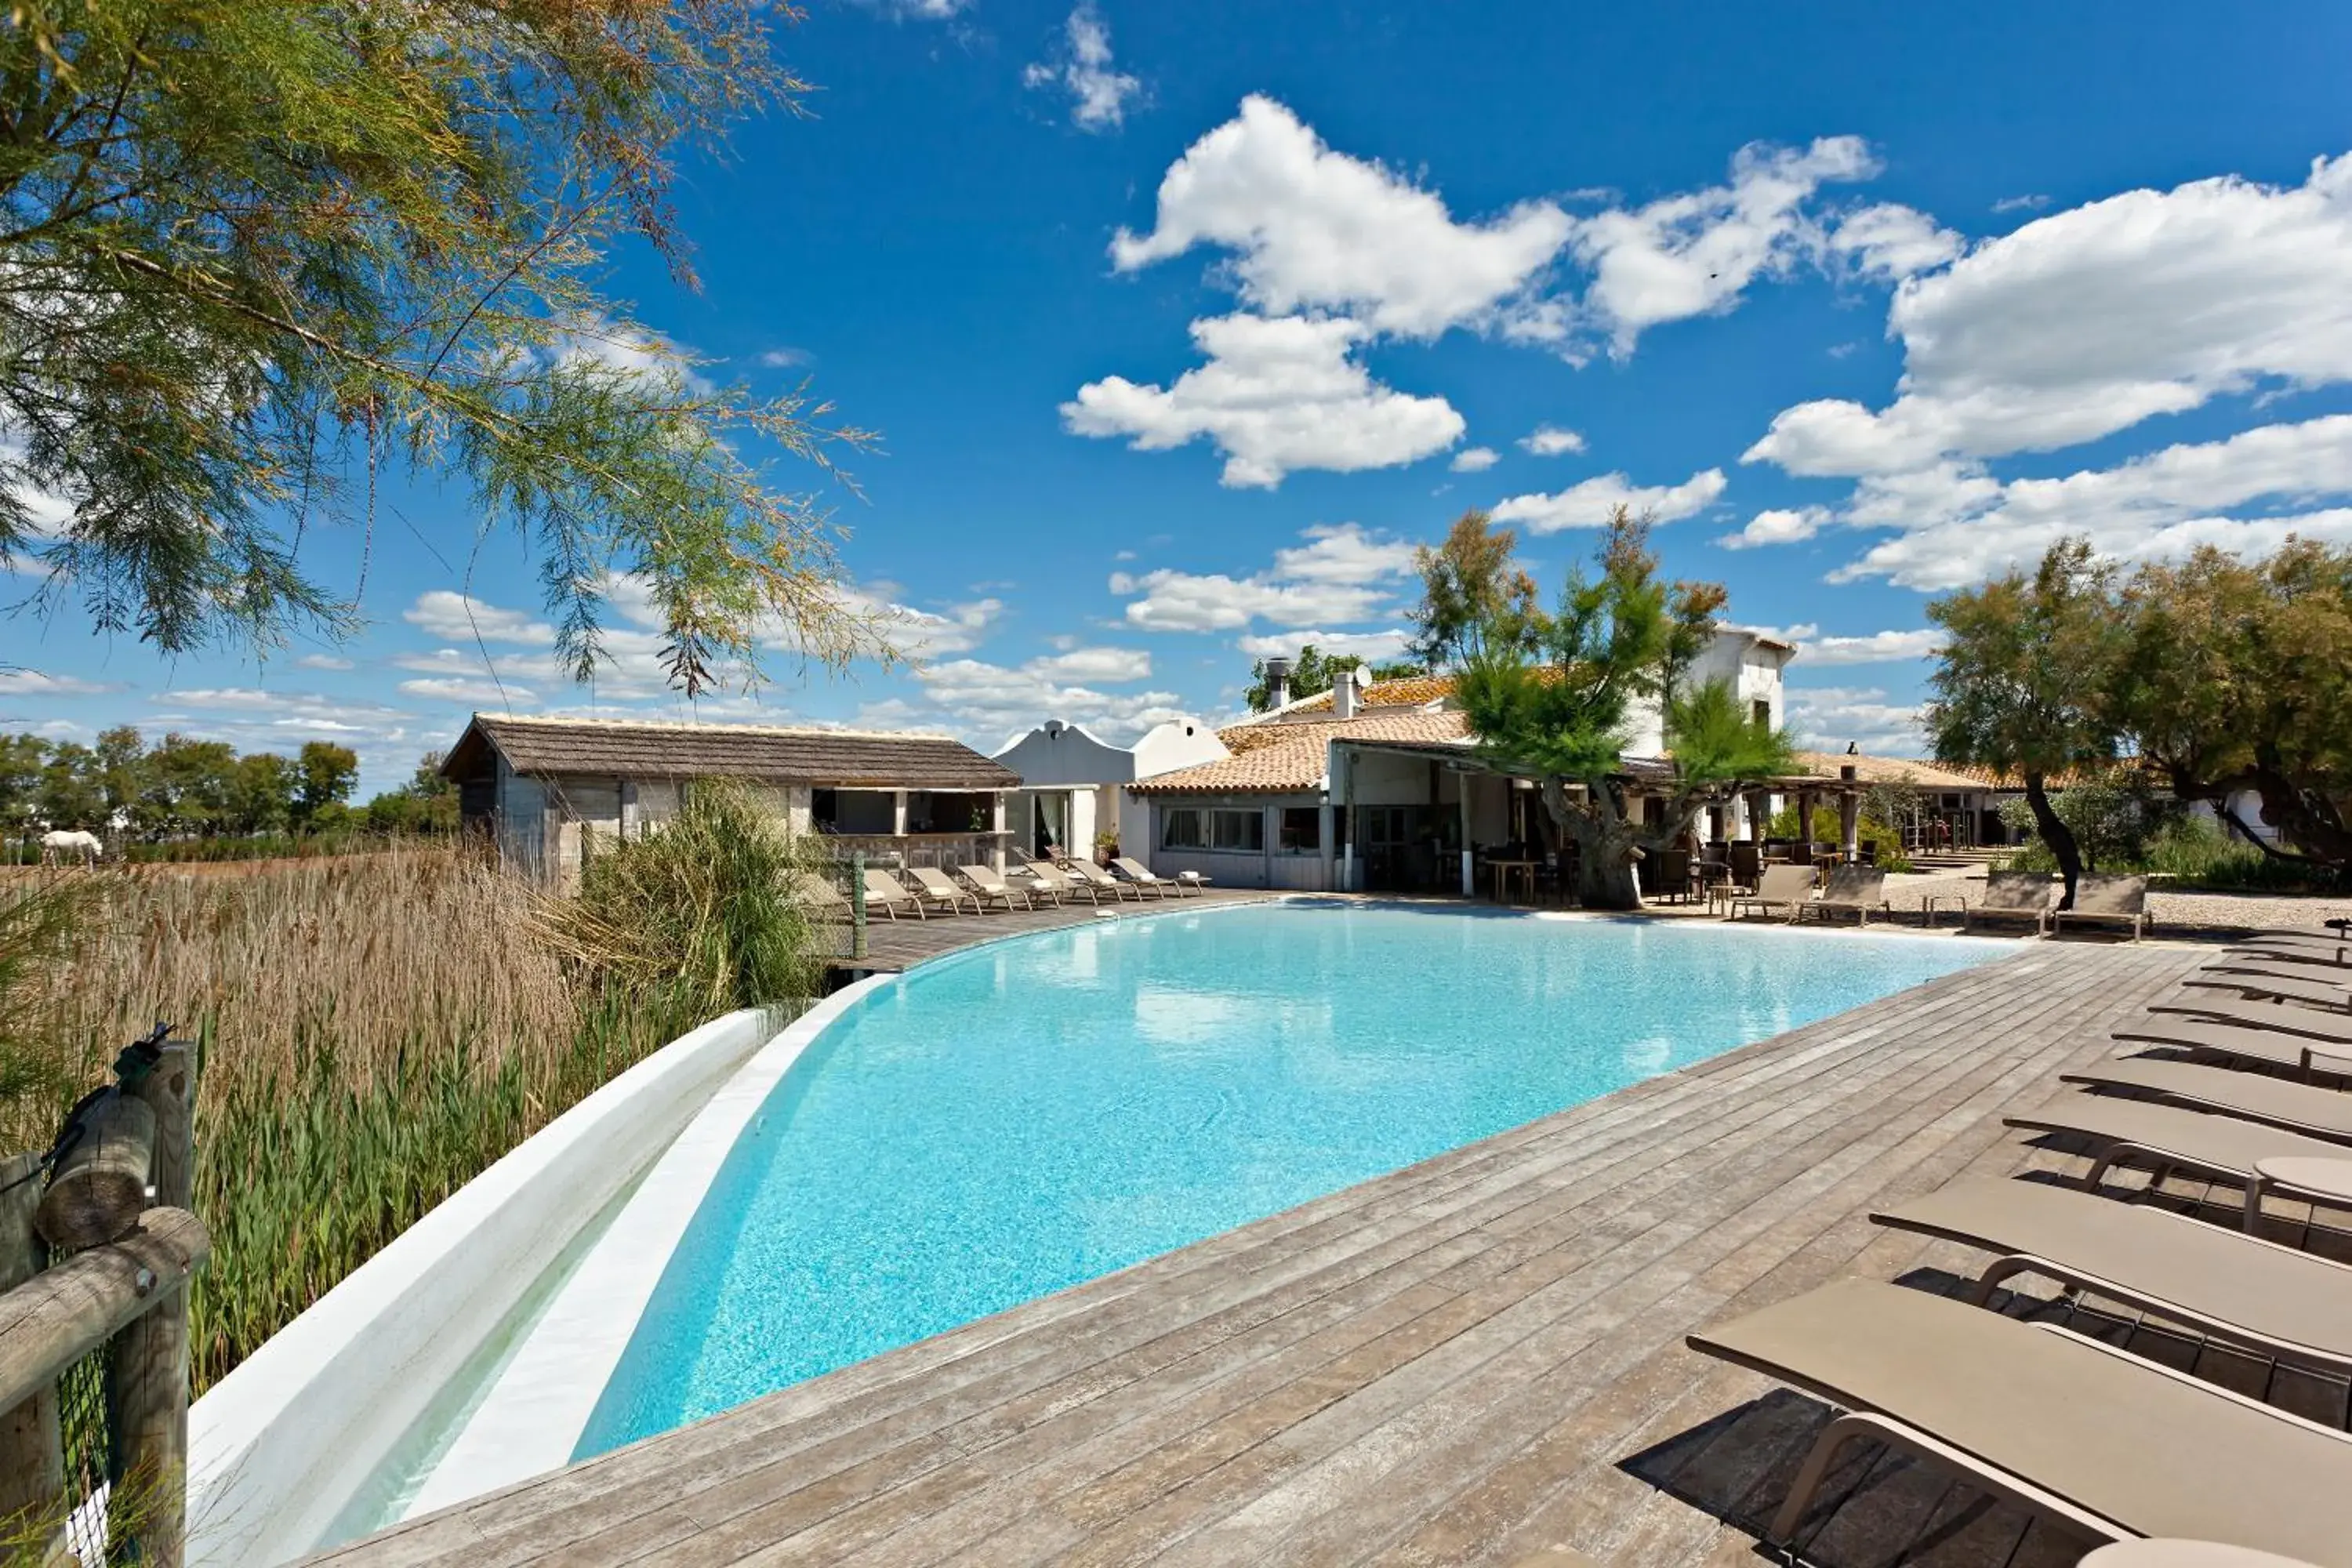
x,y
544,790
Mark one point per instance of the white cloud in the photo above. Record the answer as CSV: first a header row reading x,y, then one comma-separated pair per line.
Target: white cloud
x,y
1551,441
1341,574
448,690
1890,243
914,10
1317,229
1693,254
1372,646
322,661
1826,717
990,701
1113,666
1275,395
919,633
1877,647
1474,460
34,683
2089,320
444,613
1098,94
1344,553
786,357
1588,504
2020,204
1958,527
1778,525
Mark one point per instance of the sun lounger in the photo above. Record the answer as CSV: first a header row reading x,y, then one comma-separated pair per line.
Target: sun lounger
x,y
1102,881
2247,981
1854,889
2268,1299
2322,962
2248,1096
934,887
993,888
2276,1018
887,892
1057,884
2102,897
2219,1147
1787,887
821,899
2101,1442
1142,876
2013,896
2269,1047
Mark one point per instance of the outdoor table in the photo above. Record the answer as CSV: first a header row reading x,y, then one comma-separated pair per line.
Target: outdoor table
x,y
2303,1175
1502,868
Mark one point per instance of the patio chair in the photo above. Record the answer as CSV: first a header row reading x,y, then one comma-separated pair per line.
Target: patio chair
x,y
1857,889
1747,858
2325,962
1102,881
934,887
2013,896
2249,981
1185,882
2302,1054
889,894
1780,886
2221,1148
2273,1301
1057,884
1142,876
2101,898
2271,1017
993,888
2104,1444
1667,875
2248,1096
821,899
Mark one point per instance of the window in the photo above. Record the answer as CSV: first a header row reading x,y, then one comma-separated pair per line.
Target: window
x,y
1302,830
1760,713
1238,830
1180,828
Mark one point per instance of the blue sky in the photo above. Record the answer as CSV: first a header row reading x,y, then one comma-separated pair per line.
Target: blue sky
x,y
1181,325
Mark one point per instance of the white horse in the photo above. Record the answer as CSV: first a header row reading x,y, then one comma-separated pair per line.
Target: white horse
x,y
60,843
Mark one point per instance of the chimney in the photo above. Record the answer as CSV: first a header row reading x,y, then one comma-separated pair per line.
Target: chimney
x,y
1278,683
1343,695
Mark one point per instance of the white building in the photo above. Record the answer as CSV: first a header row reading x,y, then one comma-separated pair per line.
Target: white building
x,y
1074,785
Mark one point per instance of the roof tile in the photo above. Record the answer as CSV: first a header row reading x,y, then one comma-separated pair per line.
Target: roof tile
x,y
839,758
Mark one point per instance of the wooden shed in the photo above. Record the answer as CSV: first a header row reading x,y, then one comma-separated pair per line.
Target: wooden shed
x,y
529,786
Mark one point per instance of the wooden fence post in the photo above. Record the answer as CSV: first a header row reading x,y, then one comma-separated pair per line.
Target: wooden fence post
x,y
147,1377
32,1452
857,904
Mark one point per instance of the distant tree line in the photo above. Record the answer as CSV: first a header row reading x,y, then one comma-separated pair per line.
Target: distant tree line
x,y
181,787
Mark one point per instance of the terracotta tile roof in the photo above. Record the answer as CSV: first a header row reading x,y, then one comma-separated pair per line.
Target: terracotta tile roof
x,y
646,750
1291,759
1984,777
1408,691
1890,770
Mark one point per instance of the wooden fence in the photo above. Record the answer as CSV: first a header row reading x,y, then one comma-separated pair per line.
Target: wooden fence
x,y
97,1248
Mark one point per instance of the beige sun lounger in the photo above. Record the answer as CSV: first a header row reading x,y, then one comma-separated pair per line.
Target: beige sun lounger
x,y
934,887
2247,981
2323,962
2270,1048
1102,881
2100,1442
821,899
1854,889
2274,1017
1057,884
1787,887
2248,1096
993,888
2271,1300
2105,898
2219,1147
887,891
1143,876
2013,896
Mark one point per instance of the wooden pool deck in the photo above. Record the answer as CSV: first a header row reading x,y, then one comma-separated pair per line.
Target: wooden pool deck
x,y
1467,1361
900,945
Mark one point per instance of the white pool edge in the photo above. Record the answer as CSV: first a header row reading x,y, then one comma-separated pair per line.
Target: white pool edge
x,y
531,1419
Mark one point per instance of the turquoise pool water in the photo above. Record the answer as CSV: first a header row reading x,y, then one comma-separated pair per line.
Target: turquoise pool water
x,y
1002,1124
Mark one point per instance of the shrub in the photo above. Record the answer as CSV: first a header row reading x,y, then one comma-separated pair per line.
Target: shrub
x,y
1829,829
2115,820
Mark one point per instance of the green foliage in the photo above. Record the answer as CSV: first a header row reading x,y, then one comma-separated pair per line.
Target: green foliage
x,y
703,908
2017,678
324,775
2115,820
1471,592
1312,672
263,256
1885,837
2193,854
181,789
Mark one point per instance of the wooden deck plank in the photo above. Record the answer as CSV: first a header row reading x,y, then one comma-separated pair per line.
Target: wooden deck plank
x,y
1450,1363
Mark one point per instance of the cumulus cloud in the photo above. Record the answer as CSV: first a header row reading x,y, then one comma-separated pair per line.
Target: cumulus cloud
x,y
1829,717
914,10
1371,646
35,683
982,699
2086,322
1344,553
322,661
1551,441
1890,242
444,613
1341,573
1590,502
1474,460
444,690
1275,396
1099,93
1876,647
1317,229
1778,525
1112,666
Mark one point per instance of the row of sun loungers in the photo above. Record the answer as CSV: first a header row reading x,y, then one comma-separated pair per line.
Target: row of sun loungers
x,y
1788,892
929,890
2098,1442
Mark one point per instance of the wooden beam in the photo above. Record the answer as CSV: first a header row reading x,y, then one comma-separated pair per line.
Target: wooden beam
x,y
100,1185
147,1376
32,1454
55,1318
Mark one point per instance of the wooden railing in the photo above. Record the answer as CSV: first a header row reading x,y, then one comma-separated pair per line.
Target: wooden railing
x,y
97,1256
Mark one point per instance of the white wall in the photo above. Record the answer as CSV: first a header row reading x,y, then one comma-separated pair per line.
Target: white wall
x,y
1059,753
1178,744
1753,670
280,1447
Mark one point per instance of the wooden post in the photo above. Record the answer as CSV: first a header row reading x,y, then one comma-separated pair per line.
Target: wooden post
x,y
147,1377
857,904
32,1452
100,1185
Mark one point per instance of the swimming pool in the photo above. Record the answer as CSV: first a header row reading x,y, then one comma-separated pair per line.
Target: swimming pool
x,y
1023,1117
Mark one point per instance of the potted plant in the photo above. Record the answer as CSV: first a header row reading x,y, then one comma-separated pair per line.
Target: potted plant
x,y
1106,847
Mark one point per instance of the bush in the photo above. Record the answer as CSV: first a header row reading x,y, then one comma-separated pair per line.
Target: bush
x,y
2195,854
2115,820
1829,829
704,907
